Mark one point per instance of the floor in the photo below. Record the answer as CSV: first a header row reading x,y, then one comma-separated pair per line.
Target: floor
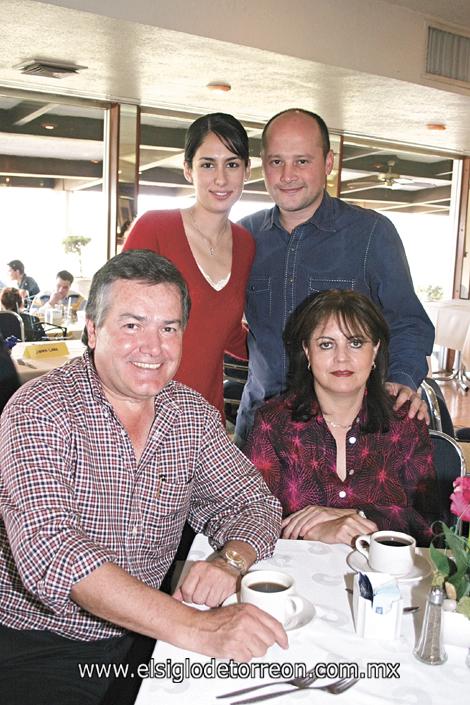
x,y
458,403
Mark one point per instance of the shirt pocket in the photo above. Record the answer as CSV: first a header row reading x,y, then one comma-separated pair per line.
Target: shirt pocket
x,y
166,512
315,285
259,296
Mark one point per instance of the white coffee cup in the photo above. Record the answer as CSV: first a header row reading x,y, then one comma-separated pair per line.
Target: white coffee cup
x,y
388,551
273,592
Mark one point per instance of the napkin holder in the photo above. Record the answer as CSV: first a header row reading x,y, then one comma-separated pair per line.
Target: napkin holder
x,y
374,619
41,351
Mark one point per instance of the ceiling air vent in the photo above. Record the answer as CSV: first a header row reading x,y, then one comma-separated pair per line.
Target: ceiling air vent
x,y
48,69
448,55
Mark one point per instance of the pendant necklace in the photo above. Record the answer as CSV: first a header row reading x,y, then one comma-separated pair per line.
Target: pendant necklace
x,y
212,249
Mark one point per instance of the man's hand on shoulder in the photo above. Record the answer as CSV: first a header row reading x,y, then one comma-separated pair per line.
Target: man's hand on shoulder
x,y
403,393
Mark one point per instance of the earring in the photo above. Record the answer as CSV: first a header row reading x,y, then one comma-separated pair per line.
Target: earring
x,y
374,365
308,365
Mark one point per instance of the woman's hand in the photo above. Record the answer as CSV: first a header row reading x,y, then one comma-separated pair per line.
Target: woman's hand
x,y
327,524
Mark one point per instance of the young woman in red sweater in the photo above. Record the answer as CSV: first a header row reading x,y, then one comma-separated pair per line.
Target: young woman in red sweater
x,y
213,254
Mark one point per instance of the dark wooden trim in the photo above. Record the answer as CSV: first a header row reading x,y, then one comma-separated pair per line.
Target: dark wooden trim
x,y
463,228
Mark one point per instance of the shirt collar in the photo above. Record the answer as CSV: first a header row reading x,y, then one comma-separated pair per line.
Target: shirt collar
x,y
323,218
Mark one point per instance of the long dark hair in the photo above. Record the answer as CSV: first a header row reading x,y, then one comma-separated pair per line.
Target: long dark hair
x,y
227,128
356,315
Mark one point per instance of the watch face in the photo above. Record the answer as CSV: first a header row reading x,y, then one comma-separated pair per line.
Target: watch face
x,y
235,559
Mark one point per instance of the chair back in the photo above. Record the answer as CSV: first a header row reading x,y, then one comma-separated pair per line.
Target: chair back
x,y
449,463
11,323
235,376
439,414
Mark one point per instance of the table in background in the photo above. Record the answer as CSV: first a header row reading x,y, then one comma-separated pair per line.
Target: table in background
x,y
321,574
35,368
452,323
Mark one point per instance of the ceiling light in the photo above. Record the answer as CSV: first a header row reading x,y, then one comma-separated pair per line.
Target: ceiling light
x,y
48,125
219,86
436,126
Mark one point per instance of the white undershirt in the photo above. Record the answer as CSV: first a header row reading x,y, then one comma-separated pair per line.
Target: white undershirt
x,y
215,285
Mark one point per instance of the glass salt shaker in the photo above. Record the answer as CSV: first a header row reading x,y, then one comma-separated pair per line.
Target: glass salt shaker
x,y
429,648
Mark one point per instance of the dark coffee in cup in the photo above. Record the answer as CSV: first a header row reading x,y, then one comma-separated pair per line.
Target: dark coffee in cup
x,y
393,541
268,587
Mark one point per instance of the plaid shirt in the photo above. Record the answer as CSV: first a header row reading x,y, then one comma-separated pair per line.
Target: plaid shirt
x,y
73,497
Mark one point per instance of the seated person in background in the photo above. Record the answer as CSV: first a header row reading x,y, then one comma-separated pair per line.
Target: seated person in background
x,y
333,450
101,463
11,300
9,381
62,296
27,285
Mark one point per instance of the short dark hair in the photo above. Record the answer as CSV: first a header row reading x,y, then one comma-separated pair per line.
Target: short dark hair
x,y
143,266
11,299
356,315
325,135
65,276
227,128
17,265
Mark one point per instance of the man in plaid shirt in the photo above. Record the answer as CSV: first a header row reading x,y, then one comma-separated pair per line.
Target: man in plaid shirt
x,y
101,463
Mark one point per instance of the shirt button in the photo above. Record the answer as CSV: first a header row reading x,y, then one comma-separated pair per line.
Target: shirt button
x,y
134,531
351,472
352,440
342,494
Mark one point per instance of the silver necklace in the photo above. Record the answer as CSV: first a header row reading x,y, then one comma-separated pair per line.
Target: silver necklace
x,y
212,250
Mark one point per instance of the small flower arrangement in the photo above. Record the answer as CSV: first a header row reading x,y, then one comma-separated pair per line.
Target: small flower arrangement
x,y
452,567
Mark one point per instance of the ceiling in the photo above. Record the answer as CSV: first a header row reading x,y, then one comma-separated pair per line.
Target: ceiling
x,y
167,70
455,12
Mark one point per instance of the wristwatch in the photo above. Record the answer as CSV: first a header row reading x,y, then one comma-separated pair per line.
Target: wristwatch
x,y
235,559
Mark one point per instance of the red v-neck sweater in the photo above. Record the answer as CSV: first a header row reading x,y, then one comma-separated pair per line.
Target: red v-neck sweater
x,y
215,320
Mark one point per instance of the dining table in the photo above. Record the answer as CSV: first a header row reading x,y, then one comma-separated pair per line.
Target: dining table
x,y
30,367
388,670
451,320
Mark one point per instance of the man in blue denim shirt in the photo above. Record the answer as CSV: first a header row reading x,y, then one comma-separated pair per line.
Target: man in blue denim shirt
x,y
310,242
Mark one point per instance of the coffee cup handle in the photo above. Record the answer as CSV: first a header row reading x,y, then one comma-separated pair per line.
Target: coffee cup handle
x,y
294,606
364,549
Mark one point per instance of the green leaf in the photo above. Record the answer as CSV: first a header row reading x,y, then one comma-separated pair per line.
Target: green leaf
x,y
463,606
460,583
457,545
440,560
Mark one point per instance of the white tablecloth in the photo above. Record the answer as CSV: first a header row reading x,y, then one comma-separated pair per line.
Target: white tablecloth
x,y
321,575
451,320
35,368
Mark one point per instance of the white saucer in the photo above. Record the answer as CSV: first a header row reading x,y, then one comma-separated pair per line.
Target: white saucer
x,y
421,567
298,620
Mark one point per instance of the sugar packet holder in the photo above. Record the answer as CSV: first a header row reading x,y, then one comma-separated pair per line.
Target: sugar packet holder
x,y
377,606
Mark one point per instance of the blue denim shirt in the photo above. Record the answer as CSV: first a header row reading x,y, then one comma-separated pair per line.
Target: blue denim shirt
x,y
340,247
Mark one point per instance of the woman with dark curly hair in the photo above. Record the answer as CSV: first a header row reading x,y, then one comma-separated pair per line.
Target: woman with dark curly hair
x,y
11,300
333,450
